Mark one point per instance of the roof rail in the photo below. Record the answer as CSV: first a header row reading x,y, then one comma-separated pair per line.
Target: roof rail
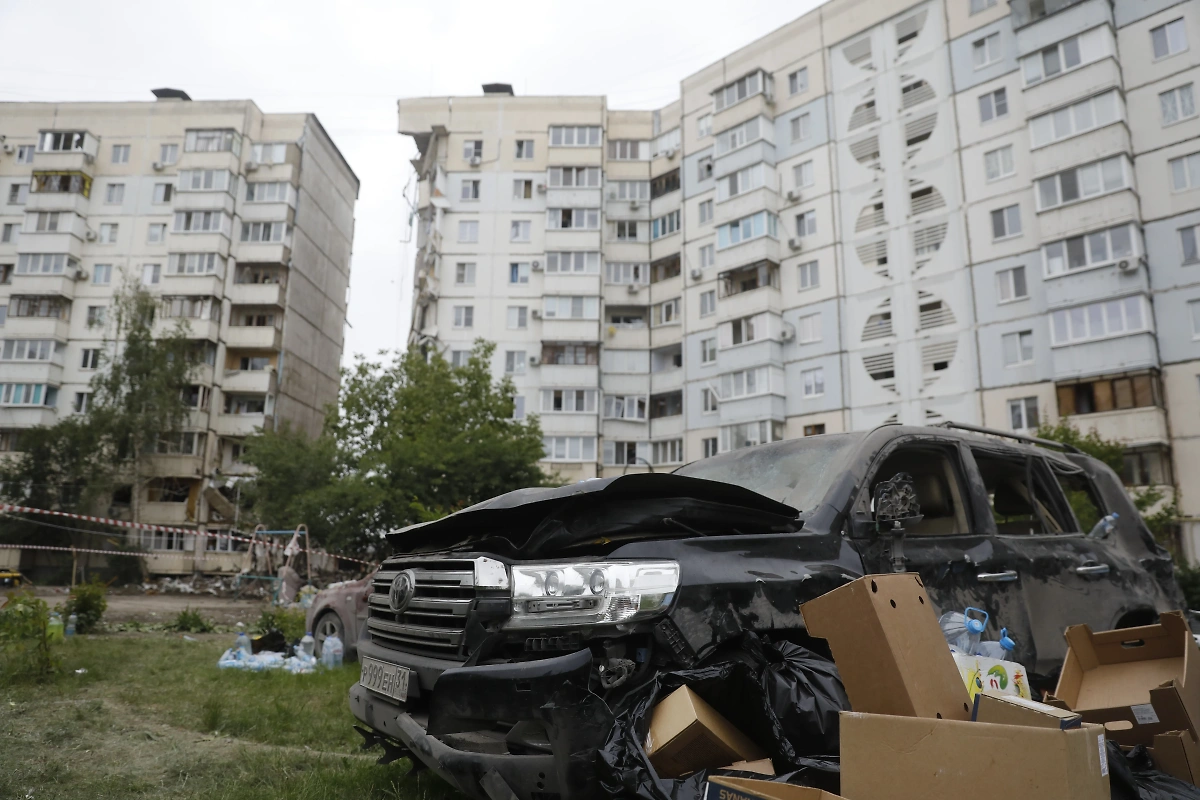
x,y
963,426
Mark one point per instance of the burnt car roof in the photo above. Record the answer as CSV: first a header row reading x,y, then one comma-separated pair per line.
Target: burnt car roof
x,y
1055,451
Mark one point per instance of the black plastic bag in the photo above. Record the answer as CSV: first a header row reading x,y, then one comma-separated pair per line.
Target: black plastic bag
x,y
1131,776
769,692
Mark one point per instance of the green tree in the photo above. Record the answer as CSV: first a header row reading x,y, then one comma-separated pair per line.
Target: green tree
x,y
412,440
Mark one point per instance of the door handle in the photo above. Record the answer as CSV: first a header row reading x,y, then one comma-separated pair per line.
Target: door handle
x,y
997,577
1093,569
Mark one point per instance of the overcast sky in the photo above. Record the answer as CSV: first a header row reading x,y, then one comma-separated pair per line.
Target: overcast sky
x,y
349,62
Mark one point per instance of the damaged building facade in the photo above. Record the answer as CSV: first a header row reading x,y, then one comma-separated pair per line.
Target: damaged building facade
x,y
881,212
239,221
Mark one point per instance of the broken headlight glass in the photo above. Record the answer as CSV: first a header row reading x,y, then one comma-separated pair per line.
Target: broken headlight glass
x,y
594,592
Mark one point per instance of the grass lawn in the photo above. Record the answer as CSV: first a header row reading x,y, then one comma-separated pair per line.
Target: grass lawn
x,y
153,717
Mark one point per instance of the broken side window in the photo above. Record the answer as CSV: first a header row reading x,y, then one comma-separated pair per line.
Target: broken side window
x,y
936,480
1022,497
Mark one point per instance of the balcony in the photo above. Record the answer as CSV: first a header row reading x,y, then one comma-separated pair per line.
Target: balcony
x,y
27,416
668,380
192,285
72,202
762,248
256,294
55,285
568,374
221,159
241,425
253,337
202,201
66,160
571,330
37,328
33,371
168,514
265,252
194,328
174,466
626,337
745,204
1131,426
746,304
267,212
249,381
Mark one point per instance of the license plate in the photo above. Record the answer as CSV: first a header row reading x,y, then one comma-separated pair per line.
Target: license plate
x,y
389,680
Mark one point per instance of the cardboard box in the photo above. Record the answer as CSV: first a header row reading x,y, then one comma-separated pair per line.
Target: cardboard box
x,y
722,788
906,758
764,766
1137,682
980,673
1178,754
687,734
1003,709
888,648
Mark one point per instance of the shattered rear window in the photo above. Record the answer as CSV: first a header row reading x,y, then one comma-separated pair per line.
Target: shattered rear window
x,y
797,472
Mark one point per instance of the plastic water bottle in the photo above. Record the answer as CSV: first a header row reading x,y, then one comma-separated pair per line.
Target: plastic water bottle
x,y
963,631
242,647
332,652
54,628
1001,650
72,621
308,644
1104,527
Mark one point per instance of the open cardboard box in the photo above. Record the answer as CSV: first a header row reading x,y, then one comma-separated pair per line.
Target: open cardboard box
x,y
1137,682
1004,709
723,788
687,734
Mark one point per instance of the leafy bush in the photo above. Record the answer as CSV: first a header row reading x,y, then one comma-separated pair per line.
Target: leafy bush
x,y
25,651
190,621
289,621
87,603
1189,583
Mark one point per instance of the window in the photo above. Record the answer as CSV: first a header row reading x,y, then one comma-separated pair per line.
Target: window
x,y
60,141
518,317
708,350
464,274
6,234
744,180
798,81
468,231
522,189
120,154
25,154
570,401
151,274
206,264
191,307
1099,320
1169,39
6,273
710,446
168,153
96,316
574,135
665,225
1086,115
629,190
18,193
101,274
708,256
464,316
809,275
1051,61
1079,183
628,149
519,230
514,362
200,222
704,168
763,223
472,148
254,363
45,264
1190,240
216,180
90,358
814,381
518,407
1185,172
741,135
668,452
580,219
814,430
624,407
665,313
808,328
998,163
264,231
114,194
28,394
1006,222
459,358
212,141
803,175
1023,413
1010,284
801,126
706,211
627,273
1177,104
579,177
35,306
986,51
1017,347
569,448
742,330
1194,310
108,232
524,149
470,190
664,184
739,90
977,6
571,307
708,303
626,230
993,105
750,434
744,383
518,272
3,315
28,350
709,402
1088,250
162,193
704,126
806,224
627,454
156,232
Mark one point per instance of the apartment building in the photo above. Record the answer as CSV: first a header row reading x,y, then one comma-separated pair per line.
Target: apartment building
x,y
965,210
239,221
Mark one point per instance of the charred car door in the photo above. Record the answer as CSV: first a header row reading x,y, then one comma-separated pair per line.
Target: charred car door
x,y
1066,577
954,547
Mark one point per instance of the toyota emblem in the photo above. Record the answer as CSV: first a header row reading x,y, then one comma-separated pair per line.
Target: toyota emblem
x,y
404,586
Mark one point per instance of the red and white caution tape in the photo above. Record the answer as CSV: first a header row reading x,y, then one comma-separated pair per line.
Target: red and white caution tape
x,y
120,523
81,550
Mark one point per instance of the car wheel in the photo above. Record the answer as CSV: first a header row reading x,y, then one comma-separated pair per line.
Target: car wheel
x,y
328,624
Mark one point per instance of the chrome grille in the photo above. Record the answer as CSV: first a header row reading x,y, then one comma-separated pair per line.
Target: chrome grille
x,y
436,616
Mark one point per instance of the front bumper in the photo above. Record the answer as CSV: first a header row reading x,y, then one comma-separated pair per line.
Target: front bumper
x,y
463,736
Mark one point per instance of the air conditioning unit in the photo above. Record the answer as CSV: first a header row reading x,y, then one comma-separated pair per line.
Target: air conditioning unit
x,y
633,205
795,244
79,275
670,152
536,266
88,158
474,161
536,313
158,166
634,288
787,334
535,361
541,187
1130,264
10,149
90,236
251,166
793,195
697,273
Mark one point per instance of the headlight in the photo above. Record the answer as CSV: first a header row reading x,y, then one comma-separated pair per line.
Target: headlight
x,y
593,592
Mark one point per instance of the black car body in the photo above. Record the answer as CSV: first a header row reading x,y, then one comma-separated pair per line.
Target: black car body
x,y
754,533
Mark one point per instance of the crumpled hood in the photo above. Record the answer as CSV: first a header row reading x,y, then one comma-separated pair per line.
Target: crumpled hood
x,y
542,520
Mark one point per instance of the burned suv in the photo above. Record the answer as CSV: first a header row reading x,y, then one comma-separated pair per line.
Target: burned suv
x,y
606,582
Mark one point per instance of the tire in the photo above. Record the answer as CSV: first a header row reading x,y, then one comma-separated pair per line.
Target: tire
x,y
328,624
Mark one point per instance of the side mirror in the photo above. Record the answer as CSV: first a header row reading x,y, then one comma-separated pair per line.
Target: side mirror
x,y
895,503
